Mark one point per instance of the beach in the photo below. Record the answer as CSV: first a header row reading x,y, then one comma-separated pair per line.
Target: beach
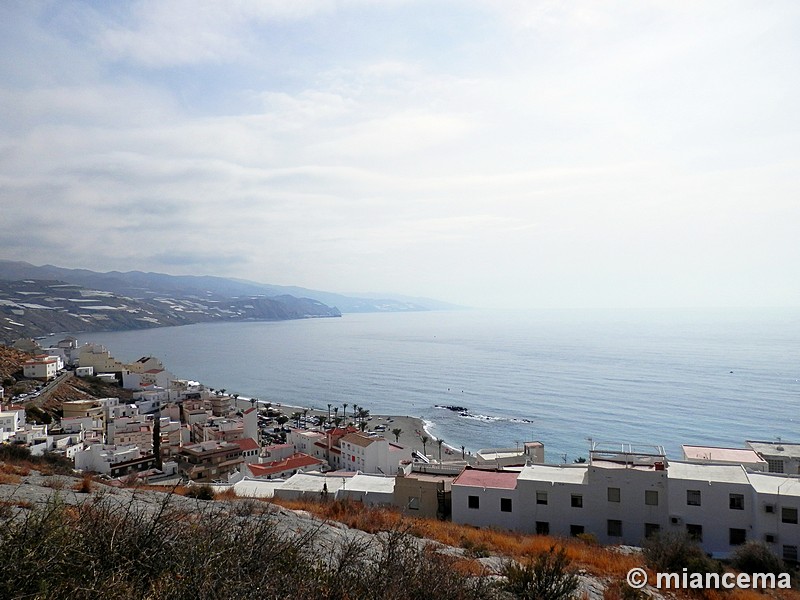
x,y
412,429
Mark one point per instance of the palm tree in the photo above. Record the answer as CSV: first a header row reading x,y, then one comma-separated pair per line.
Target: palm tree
x,y
329,411
439,443
396,432
362,426
344,414
337,421
424,439
305,414
296,418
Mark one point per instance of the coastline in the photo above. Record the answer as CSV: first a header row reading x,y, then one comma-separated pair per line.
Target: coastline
x,y
412,429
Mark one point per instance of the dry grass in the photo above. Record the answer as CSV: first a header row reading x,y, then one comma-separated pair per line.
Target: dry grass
x,y
10,478
598,560
85,485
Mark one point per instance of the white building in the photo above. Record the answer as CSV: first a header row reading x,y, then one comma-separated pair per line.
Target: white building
x,y
41,367
780,456
113,460
368,488
98,357
724,456
624,497
371,454
12,419
497,458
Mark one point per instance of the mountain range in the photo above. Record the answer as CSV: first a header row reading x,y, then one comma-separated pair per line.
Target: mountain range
x,y
37,300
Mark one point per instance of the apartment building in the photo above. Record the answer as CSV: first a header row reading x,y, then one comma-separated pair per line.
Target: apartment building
x,y
42,367
624,496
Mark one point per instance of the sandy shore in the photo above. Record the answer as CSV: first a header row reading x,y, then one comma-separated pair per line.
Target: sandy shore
x,y
412,430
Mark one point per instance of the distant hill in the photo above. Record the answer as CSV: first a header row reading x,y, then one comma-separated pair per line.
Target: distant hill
x,y
36,301
140,285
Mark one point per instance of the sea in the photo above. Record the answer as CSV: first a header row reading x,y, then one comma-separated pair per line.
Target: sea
x,y
562,377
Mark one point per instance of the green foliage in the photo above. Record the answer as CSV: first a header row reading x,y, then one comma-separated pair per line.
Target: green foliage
x,y
620,590
756,557
546,577
671,552
141,549
200,492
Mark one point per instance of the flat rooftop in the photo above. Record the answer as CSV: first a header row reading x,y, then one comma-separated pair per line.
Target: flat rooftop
x,y
707,472
555,473
784,449
716,454
506,480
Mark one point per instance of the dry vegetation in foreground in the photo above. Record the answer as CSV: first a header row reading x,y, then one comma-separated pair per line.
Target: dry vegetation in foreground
x,y
601,561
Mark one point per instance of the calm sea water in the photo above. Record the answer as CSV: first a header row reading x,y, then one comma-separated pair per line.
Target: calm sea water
x,y
649,377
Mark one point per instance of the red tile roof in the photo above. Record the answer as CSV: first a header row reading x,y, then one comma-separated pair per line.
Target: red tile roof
x,y
247,444
296,461
506,480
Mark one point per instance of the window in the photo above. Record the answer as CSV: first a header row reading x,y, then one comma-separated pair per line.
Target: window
x,y
413,503
737,537
542,527
790,554
575,530
651,497
693,497
541,497
614,528
613,494
769,508
769,538
736,501
576,501
473,502
695,532
505,504
789,515
775,465
651,529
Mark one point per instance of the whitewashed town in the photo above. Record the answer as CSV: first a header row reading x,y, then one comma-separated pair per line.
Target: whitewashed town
x,y
174,431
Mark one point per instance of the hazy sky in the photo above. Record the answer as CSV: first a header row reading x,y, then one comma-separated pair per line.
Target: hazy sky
x,y
516,153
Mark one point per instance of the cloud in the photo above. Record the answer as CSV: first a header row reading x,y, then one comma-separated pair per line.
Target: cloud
x,y
539,148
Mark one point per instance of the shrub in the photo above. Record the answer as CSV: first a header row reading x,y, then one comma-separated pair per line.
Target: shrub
x,y
161,551
671,552
546,577
756,557
200,492
620,590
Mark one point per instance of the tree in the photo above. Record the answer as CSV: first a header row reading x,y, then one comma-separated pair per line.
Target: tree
x,y
344,413
296,418
157,439
396,433
547,577
672,551
439,443
362,425
424,439
282,420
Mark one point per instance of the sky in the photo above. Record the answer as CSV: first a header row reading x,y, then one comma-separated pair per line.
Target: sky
x,y
515,154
